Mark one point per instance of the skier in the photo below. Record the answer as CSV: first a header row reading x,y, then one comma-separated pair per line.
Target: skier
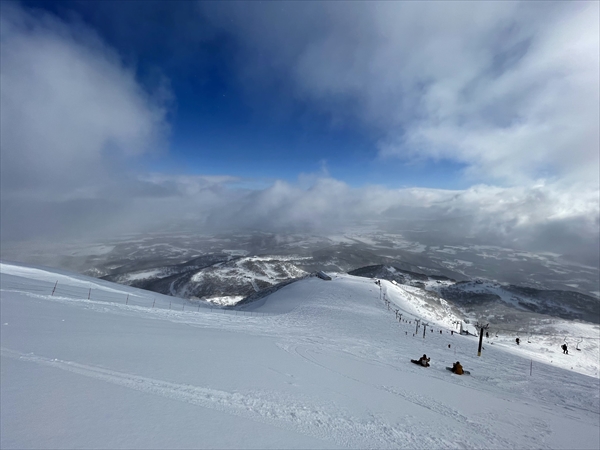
x,y
517,340
565,349
487,335
457,368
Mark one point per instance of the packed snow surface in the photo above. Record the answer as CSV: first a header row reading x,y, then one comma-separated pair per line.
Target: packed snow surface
x,y
317,364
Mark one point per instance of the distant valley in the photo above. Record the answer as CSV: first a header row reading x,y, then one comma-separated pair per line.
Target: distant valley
x,y
495,284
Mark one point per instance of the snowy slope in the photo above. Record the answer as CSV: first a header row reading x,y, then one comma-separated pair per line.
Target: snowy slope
x,y
317,364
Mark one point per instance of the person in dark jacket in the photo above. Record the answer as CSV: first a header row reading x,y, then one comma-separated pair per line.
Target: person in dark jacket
x,y
424,361
518,341
565,349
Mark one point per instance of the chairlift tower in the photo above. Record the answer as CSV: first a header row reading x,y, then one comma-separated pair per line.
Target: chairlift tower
x,y
481,329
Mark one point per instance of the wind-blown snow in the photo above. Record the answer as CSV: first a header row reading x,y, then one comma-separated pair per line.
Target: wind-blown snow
x,y
317,364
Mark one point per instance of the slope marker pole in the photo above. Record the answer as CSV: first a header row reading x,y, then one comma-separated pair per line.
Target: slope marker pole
x,y
54,288
90,293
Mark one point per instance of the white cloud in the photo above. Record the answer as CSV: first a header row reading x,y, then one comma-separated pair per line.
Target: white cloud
x,y
72,113
508,88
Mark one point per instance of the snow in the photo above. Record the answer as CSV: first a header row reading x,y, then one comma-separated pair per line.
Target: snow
x,y
270,267
226,300
133,276
449,251
314,365
236,252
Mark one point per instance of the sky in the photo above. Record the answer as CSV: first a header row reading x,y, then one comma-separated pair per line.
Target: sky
x,y
132,116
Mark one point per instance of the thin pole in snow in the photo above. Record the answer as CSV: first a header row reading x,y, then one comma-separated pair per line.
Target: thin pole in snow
x,y
127,301
153,303
530,367
54,288
169,305
198,307
90,293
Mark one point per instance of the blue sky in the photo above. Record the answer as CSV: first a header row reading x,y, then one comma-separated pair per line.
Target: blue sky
x,y
218,125
119,116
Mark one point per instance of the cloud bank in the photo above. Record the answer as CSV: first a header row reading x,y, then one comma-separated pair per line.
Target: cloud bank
x,y
510,89
72,113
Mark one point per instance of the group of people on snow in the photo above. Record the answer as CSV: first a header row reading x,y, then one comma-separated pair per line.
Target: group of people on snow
x,y
564,347
424,361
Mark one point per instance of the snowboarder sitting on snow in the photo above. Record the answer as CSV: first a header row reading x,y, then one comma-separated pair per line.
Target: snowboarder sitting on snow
x,y
457,368
565,349
424,361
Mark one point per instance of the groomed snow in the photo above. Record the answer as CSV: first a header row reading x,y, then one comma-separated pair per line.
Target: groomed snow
x,y
327,367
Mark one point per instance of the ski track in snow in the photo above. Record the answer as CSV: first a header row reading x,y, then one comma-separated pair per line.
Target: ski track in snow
x,y
488,438
312,420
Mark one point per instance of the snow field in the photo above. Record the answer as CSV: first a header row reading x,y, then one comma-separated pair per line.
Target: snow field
x,y
329,367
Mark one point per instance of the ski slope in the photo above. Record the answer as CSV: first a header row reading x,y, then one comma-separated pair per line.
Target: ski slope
x,y
317,364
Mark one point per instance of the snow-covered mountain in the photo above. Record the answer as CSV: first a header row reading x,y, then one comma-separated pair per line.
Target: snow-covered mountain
x,y
170,253
220,278
315,364
502,303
